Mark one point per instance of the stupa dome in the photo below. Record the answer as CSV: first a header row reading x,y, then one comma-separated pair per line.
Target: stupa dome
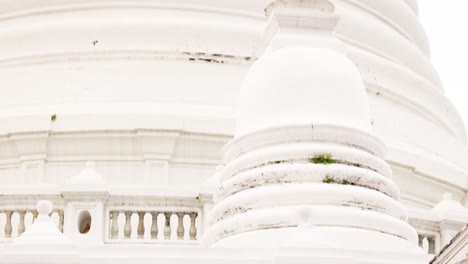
x,y
299,85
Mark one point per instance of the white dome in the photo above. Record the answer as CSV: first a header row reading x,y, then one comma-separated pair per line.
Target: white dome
x,y
299,85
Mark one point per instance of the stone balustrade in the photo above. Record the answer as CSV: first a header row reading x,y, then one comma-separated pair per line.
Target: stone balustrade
x,y
172,218
428,243
438,225
125,218
13,222
154,225
429,234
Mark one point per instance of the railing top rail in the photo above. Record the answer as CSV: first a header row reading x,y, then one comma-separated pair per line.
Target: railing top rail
x,y
158,209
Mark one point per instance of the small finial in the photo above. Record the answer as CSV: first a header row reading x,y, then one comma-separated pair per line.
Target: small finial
x,y
88,175
44,208
43,231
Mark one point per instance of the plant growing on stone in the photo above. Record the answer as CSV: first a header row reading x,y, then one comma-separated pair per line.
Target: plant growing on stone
x,y
329,179
346,182
322,159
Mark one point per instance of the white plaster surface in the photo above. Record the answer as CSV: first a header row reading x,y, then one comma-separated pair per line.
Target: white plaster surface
x,y
148,91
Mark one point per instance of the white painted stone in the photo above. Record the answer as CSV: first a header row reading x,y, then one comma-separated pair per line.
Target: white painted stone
x,y
113,82
43,231
85,195
310,75
88,176
268,179
42,242
147,89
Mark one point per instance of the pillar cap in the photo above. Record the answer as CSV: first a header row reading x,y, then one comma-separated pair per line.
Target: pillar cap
x,y
43,231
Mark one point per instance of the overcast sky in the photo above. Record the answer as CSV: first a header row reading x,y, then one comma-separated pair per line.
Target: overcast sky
x,y
446,25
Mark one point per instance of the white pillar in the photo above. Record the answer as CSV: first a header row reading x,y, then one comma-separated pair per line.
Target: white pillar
x,y
42,242
85,214
451,216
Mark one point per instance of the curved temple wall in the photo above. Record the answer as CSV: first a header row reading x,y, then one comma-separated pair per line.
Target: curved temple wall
x,y
148,89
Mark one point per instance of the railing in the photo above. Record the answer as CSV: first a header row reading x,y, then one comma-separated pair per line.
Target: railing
x,y
428,229
18,211
128,218
173,218
428,242
13,222
152,225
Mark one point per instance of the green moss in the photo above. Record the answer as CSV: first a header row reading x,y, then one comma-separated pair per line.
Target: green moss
x,y
331,179
345,182
322,159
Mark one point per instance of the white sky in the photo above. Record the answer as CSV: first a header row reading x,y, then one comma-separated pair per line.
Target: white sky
x,y
446,25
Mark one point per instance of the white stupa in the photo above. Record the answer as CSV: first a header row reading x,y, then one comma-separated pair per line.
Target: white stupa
x,y
268,131
304,138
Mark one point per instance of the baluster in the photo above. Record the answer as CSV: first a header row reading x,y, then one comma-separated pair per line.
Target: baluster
x,y
193,228
154,225
425,245
128,227
115,225
61,218
141,225
180,226
34,213
432,245
8,227
167,226
21,227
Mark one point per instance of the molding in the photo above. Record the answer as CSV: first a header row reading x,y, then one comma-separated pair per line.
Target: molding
x,y
315,132
201,6
421,41
282,217
126,55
